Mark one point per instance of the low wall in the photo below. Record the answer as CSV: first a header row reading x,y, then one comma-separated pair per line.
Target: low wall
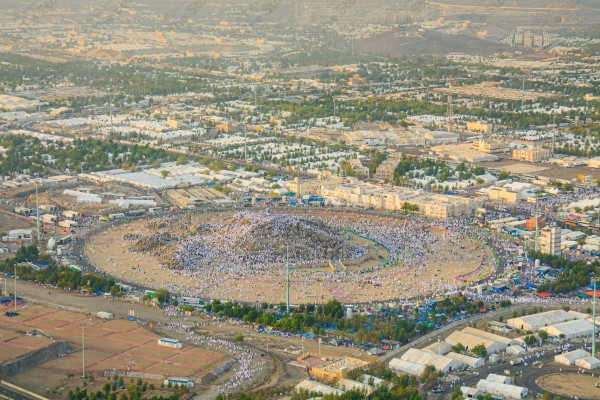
x,y
20,364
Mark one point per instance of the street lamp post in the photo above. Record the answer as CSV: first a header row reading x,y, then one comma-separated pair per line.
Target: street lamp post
x,y
594,280
82,351
15,288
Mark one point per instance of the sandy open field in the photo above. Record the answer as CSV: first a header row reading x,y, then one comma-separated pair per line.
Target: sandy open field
x,y
109,345
569,385
447,257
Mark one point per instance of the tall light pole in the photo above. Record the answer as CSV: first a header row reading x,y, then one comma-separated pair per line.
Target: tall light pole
x,y
288,277
594,279
536,221
82,350
15,288
37,206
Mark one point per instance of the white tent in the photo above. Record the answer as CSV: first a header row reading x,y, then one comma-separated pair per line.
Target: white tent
x,y
314,386
536,321
502,389
571,329
407,367
469,341
570,357
470,393
425,358
498,378
441,348
588,363
471,361
515,349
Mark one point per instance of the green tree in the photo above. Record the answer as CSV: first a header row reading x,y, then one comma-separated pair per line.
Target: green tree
x,y
162,296
458,348
543,335
164,173
181,160
479,350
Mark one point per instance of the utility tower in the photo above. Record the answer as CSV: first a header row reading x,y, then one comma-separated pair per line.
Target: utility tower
x,y
450,108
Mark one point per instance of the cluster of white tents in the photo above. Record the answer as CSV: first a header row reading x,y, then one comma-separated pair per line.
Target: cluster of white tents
x,y
557,323
581,358
497,386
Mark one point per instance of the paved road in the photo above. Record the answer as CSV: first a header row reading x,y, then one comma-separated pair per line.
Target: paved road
x,y
9,393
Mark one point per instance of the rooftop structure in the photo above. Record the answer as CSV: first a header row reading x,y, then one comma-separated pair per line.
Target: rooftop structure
x,y
314,386
571,357
337,369
536,321
470,341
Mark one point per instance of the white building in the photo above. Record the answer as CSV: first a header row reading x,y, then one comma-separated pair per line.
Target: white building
x,y
570,357
470,341
395,198
470,393
550,240
535,322
588,363
441,348
570,329
173,343
314,386
441,363
406,367
471,361
502,389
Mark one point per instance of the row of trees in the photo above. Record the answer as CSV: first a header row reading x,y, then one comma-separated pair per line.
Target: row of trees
x,y
312,318
53,274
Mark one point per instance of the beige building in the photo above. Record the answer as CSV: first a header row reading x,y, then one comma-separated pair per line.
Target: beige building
x,y
531,154
173,123
394,198
385,170
490,146
504,194
358,168
314,186
549,241
478,126
336,370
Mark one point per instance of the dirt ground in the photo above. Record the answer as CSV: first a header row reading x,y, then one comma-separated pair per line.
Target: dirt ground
x,y
570,385
279,351
110,253
109,345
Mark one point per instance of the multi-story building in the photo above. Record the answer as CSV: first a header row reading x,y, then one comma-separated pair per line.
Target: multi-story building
x,y
504,194
549,241
396,198
385,170
478,126
490,146
314,186
531,154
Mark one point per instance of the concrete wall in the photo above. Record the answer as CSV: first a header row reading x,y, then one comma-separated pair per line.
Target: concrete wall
x,y
39,356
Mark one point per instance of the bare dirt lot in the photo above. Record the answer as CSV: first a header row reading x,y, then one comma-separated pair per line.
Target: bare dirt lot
x,y
570,385
109,346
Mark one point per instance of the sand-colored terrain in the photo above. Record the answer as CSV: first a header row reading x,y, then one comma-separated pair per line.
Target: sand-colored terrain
x,y
571,385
